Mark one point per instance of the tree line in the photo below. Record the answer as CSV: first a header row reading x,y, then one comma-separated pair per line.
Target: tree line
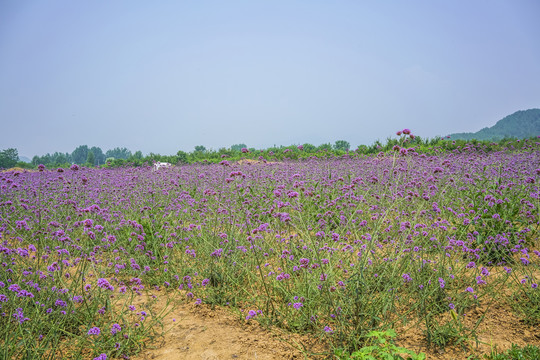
x,y
94,156
84,155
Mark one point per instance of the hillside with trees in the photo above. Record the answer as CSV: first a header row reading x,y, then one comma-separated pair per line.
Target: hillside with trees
x,y
521,124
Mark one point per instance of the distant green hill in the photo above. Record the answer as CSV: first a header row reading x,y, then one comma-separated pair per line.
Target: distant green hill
x,y
521,124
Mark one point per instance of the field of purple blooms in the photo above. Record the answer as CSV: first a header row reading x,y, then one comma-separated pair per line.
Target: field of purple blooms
x,y
334,248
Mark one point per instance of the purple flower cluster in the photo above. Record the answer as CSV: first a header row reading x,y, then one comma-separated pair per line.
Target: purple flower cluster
x,y
94,331
104,284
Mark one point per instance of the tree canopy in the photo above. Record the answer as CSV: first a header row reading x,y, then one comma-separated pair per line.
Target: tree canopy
x,y
238,147
342,145
8,158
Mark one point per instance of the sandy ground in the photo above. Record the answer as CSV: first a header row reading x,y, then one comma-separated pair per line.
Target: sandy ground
x,y
499,329
201,333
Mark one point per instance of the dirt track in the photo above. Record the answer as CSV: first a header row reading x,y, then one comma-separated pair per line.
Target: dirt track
x,y
201,333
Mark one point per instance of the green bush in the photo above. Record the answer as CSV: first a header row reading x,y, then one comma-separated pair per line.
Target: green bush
x,y
382,348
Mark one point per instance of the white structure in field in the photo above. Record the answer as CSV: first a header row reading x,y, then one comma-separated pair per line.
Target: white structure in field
x,y
158,165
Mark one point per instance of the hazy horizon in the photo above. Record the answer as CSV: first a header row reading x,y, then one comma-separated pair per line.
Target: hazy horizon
x,y
167,76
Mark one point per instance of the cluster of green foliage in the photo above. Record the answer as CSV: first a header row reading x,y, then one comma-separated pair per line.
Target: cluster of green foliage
x,y
520,125
90,156
8,158
382,347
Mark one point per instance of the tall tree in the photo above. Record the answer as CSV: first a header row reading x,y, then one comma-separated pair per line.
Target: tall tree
x,y
324,147
8,158
59,158
118,153
36,160
138,155
80,154
98,154
309,147
181,157
238,147
91,159
342,145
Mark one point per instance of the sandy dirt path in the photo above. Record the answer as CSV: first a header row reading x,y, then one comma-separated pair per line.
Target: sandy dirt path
x,y
200,333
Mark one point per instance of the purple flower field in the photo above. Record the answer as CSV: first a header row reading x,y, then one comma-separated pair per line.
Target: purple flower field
x,y
333,248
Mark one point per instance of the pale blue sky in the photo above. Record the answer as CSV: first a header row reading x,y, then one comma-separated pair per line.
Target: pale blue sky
x,y
163,76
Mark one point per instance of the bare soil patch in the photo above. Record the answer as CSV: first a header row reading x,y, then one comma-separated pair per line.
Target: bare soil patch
x,y
197,332
499,329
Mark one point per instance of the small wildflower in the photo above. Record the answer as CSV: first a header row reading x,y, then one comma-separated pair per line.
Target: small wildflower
x,y
328,329
20,316
94,331
115,329
442,283
104,284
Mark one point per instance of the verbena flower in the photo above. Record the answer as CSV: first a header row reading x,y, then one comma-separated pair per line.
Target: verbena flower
x,y
19,315
251,314
15,288
60,303
94,331
328,329
104,284
115,329
442,283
